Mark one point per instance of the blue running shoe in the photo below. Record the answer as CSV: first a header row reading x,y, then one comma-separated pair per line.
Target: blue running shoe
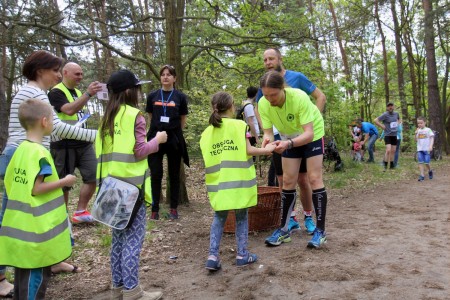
x,y
430,174
251,258
319,238
293,225
309,225
213,265
421,178
278,237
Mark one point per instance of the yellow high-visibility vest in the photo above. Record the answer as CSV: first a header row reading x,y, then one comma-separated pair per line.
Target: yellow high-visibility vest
x,y
66,118
230,173
118,159
35,230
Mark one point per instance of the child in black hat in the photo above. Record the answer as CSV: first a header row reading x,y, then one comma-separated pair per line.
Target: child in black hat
x,y
121,140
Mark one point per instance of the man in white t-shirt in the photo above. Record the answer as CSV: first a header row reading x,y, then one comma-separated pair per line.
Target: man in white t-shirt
x,y
250,116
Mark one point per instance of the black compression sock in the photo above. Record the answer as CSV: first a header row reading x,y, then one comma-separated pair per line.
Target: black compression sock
x,y
287,203
320,199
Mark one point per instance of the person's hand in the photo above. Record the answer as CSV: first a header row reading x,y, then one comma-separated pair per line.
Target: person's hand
x,y
161,137
265,142
69,180
281,146
93,88
270,147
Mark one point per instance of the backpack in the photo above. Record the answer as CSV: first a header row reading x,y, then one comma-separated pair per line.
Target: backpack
x,y
240,114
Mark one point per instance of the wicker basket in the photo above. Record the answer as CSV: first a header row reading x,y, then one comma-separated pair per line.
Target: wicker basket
x,y
264,216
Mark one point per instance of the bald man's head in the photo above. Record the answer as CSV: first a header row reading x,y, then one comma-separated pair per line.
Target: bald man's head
x,y
72,75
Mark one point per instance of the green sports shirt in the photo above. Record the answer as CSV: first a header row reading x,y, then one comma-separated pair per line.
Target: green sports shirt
x,y
297,110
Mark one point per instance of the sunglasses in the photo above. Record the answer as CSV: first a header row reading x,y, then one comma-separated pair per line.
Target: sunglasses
x,y
168,66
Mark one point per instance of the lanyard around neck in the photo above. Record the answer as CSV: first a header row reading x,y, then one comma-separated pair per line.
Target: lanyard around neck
x,y
162,100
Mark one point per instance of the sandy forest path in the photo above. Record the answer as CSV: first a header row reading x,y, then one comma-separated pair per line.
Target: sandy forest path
x,y
385,242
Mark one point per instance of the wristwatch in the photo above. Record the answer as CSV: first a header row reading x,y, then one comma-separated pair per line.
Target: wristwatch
x,y
291,144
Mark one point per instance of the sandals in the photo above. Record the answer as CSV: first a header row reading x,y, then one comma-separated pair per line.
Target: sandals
x,y
251,258
74,270
7,286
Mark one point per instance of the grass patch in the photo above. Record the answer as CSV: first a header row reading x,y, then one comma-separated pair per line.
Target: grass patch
x,y
363,175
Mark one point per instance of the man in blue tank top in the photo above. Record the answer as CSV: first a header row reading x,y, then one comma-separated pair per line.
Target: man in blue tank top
x,y
370,133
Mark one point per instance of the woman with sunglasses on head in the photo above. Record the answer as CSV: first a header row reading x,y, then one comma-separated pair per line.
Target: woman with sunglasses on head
x,y
167,109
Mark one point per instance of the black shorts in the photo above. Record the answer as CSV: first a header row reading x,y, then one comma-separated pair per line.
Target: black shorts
x,y
83,158
309,150
390,140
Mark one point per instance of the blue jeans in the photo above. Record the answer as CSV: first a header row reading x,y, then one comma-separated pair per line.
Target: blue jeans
x,y
241,231
372,140
397,152
8,153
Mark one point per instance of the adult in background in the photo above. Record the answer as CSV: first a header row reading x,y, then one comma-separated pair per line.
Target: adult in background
x,y
68,154
399,142
167,109
301,127
389,121
273,60
370,133
42,70
249,115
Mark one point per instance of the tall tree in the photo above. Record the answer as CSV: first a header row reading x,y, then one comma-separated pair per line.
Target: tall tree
x,y
383,50
434,103
399,61
347,71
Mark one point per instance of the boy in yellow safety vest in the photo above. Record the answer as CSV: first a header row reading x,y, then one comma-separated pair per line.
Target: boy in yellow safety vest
x,y
35,231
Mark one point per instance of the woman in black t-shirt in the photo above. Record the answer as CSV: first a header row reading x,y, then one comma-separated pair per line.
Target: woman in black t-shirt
x,y
167,108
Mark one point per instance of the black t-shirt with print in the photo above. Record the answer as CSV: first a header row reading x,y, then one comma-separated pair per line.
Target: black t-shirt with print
x,y
171,104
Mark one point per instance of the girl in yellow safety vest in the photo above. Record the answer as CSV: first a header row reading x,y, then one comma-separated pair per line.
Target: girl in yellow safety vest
x,y
230,176
122,150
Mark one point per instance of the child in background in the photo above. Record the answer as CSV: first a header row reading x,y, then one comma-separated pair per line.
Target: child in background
x,y
230,176
357,150
121,141
425,139
35,231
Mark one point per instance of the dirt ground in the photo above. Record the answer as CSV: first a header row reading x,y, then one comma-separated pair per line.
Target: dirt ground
x,y
383,243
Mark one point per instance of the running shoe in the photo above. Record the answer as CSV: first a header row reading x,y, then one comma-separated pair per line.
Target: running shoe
x,y
278,237
154,216
309,225
319,238
251,258
421,178
430,174
213,265
173,214
293,225
82,217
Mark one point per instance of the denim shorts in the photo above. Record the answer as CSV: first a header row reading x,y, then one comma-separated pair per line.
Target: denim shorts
x,y
423,157
5,158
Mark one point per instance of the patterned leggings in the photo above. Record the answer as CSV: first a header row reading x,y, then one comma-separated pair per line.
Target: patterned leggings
x,y
217,225
125,250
